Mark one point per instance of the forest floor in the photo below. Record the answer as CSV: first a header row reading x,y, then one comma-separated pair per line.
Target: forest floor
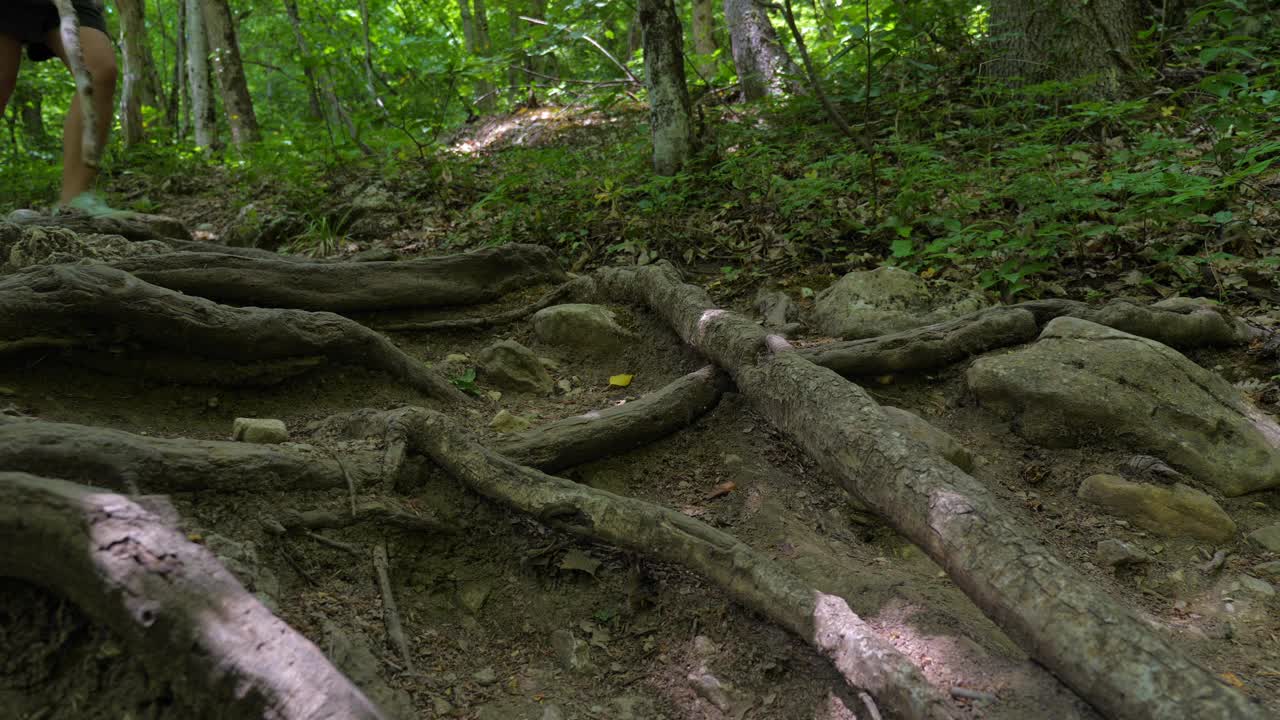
x,y
486,608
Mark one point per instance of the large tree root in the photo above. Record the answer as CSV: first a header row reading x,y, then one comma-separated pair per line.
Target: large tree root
x,y
132,226
618,429
135,463
1096,646
463,279
865,660
180,611
61,305
560,294
941,344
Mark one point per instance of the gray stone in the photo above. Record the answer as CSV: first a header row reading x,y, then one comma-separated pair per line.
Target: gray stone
x,y
485,676
1253,586
261,431
1267,538
1083,382
350,652
586,328
505,422
775,308
552,712
938,440
571,653
510,365
869,303
473,594
1114,553
1268,569
1173,512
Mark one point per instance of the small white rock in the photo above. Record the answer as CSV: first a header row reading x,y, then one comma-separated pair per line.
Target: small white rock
x,y
259,430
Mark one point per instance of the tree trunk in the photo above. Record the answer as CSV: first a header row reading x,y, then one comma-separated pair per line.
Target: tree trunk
x,y
1067,40
304,54
761,61
221,31
179,99
28,103
704,37
475,33
203,117
669,119
137,63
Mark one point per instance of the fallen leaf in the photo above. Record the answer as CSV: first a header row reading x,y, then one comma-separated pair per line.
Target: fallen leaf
x,y
1232,679
620,380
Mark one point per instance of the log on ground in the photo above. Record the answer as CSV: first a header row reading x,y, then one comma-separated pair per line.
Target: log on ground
x,y
598,434
463,279
1098,647
132,463
181,613
96,305
864,659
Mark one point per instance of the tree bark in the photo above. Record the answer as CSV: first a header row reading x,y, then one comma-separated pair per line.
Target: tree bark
x,y
704,37
669,121
172,602
1067,40
203,112
137,64
220,28
304,54
475,33
1097,647
761,61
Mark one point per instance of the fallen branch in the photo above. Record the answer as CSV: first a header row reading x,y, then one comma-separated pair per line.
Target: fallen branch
x,y
1096,646
464,279
865,660
560,294
180,612
92,305
390,613
619,429
116,459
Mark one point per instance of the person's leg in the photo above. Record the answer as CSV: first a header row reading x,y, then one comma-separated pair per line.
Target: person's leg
x,y
10,61
100,60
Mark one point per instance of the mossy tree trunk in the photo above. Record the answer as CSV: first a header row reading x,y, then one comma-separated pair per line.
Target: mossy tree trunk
x,y
664,78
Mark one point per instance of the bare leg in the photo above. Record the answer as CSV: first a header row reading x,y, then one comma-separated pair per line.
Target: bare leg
x,y
100,59
10,60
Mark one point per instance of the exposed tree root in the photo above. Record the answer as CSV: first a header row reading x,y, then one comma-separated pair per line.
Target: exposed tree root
x,y
173,603
560,294
463,279
390,612
1095,645
132,226
865,660
598,434
374,512
941,344
134,463
928,347
95,305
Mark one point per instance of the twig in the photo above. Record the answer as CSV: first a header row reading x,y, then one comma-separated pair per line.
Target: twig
x,y
69,28
967,694
352,549
390,615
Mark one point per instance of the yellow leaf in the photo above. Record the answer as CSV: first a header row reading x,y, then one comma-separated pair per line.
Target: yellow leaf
x,y
620,380
1232,679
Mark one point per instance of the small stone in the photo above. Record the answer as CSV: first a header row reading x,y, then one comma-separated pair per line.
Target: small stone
x,y
510,365
564,386
1174,512
1254,586
441,706
1267,538
505,422
551,712
494,395
1268,569
571,653
485,676
473,594
585,328
1114,553
213,402
259,431
457,358
549,363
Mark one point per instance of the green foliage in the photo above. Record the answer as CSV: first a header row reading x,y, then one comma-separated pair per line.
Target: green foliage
x,y
466,382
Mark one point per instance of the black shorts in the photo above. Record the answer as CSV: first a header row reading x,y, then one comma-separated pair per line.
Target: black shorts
x,y
31,20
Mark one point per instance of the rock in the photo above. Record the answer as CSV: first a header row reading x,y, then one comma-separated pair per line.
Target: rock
x,y
939,441
1083,382
571,653
241,559
865,304
457,358
442,707
775,308
485,676
350,652
473,594
262,226
259,430
510,365
564,387
1114,553
1172,585
1267,538
581,327
552,712
1268,569
1175,512
505,422
1249,585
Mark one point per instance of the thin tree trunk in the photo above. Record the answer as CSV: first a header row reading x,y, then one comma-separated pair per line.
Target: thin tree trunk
x,y
704,36
221,31
137,60
304,55
669,119
370,78
203,117
823,10
28,104
1067,40
761,61
484,48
